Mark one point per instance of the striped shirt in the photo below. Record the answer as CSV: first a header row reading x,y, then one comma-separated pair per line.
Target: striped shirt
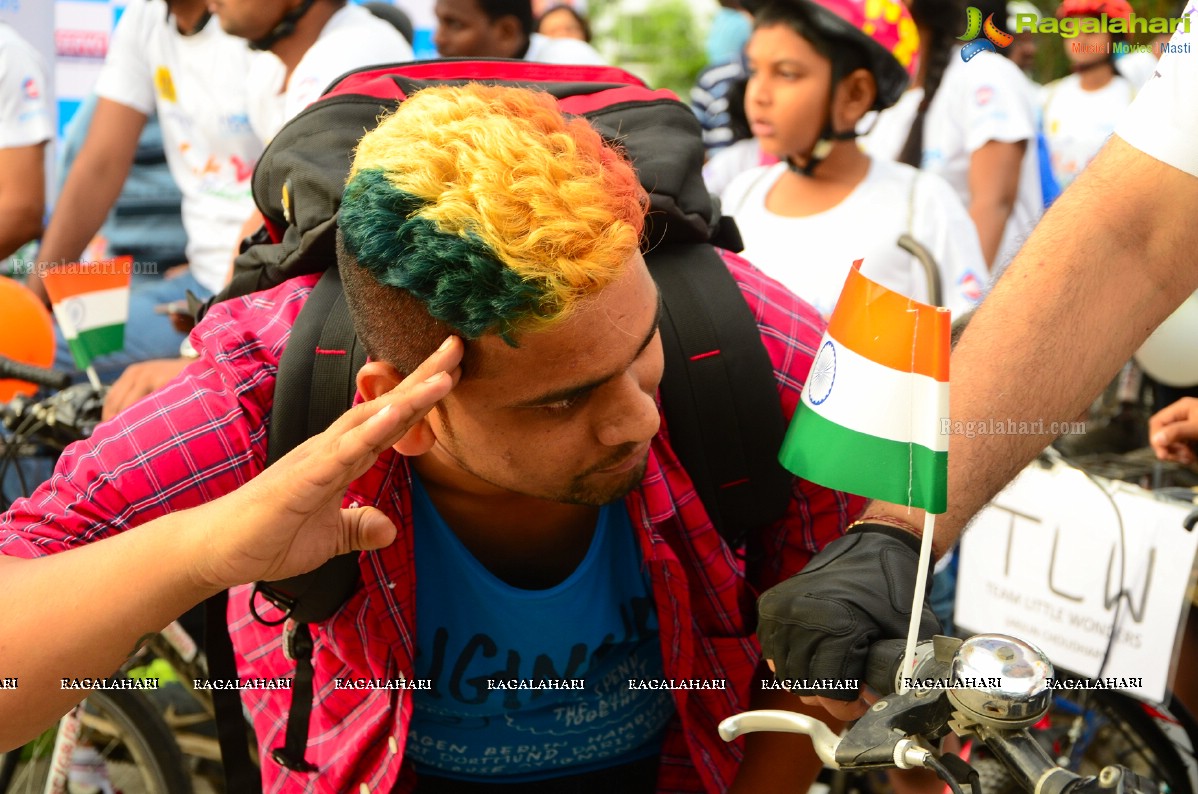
x,y
205,434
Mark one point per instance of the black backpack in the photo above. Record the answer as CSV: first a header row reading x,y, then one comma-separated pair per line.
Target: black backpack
x,y
719,394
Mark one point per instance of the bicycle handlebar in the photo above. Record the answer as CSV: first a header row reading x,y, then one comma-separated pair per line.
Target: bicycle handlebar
x,y
47,378
991,686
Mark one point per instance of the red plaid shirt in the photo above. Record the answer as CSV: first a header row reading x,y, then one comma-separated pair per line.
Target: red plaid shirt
x,y
205,434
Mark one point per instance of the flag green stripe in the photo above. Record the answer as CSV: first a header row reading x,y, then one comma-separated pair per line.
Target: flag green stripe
x,y
837,457
96,342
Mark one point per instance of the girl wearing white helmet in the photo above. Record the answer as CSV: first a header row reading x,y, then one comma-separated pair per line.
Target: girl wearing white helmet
x,y
814,71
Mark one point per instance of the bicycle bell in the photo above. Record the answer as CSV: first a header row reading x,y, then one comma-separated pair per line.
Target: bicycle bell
x,y
1000,681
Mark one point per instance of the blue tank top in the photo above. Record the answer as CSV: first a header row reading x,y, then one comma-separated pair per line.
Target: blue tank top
x,y
533,684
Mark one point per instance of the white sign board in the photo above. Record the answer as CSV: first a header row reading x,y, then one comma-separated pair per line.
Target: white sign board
x,y
1048,562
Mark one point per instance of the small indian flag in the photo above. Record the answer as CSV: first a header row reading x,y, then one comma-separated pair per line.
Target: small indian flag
x,y
91,304
871,421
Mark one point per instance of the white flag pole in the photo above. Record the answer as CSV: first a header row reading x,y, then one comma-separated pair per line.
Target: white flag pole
x,y
921,582
70,332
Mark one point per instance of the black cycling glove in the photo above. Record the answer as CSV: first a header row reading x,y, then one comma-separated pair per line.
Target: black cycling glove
x,y
820,623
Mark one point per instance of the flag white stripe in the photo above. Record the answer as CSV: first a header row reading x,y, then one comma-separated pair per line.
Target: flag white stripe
x,y
89,310
870,398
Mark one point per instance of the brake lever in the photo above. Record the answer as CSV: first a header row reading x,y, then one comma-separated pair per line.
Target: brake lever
x,y
823,738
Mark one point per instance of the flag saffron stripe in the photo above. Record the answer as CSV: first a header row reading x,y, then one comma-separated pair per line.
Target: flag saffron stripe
x,y
839,458
865,321
78,278
847,395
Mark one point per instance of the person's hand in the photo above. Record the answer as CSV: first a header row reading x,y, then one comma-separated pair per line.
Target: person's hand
x,y
1171,431
137,381
820,623
38,287
288,520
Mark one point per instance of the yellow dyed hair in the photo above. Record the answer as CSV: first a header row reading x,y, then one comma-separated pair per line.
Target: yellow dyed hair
x,y
491,208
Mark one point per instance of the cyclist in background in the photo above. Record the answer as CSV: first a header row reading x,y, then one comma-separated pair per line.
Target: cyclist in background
x,y
1080,111
310,45
170,58
502,29
564,22
1109,262
302,50
24,130
974,124
815,68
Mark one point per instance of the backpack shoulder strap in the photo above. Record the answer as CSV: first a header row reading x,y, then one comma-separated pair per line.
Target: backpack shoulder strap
x,y
316,383
718,393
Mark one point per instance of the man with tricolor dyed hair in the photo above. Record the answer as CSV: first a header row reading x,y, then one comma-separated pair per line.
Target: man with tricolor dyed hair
x,y
534,547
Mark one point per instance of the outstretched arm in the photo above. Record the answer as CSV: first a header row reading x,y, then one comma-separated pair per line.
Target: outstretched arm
x,y
288,520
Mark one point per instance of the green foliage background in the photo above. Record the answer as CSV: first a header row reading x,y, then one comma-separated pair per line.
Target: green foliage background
x,y
662,43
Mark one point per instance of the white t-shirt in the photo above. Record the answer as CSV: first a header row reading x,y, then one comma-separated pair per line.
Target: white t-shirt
x,y
1077,122
732,161
812,255
883,134
352,38
985,100
197,84
24,113
1163,121
544,49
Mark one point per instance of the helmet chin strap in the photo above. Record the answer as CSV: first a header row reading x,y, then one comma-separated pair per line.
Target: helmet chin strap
x,y
284,29
823,147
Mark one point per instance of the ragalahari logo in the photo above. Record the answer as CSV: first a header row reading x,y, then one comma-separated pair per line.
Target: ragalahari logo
x,y
975,27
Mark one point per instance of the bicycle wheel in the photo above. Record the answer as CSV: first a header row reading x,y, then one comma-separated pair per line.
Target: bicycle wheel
x,y
1087,730
136,748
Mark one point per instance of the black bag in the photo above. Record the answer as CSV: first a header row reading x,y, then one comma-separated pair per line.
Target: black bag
x,y
719,394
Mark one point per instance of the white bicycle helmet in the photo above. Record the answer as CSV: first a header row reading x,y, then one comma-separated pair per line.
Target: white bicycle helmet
x,y
1170,355
1016,7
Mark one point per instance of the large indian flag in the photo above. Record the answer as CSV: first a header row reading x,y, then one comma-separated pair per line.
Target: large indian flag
x,y
91,304
871,421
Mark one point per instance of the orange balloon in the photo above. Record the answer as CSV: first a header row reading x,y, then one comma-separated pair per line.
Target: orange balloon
x,y
26,333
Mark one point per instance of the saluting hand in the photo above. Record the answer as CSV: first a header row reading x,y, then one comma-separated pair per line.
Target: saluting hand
x,y
288,520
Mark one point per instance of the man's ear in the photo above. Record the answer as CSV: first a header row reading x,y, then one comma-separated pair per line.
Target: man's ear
x,y
375,379
855,95
510,34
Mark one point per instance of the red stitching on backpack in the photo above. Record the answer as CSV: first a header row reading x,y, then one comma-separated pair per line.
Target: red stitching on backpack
x,y
320,351
708,354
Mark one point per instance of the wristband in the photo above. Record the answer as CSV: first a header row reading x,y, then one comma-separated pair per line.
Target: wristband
x,y
909,540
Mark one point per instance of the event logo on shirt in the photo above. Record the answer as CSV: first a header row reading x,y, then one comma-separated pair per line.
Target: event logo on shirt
x,y
975,27
971,287
164,84
29,88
